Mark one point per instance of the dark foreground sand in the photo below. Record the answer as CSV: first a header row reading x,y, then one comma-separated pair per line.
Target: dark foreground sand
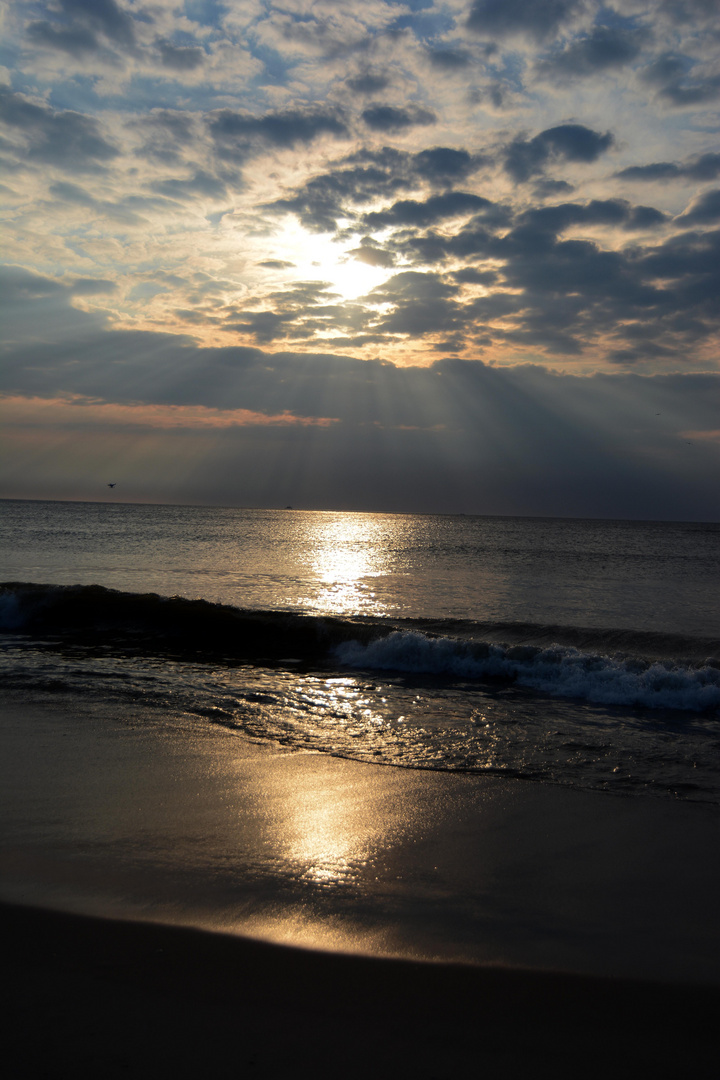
x,y
93,997
471,893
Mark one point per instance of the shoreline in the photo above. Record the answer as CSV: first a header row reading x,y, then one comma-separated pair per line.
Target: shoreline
x,y
83,994
140,815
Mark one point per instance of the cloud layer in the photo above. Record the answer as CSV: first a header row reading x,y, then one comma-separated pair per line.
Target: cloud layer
x,y
382,229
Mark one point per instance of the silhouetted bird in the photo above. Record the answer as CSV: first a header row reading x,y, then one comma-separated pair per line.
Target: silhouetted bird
x,y
111,485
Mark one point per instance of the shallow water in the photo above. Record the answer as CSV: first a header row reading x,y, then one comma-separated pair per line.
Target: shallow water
x,y
579,653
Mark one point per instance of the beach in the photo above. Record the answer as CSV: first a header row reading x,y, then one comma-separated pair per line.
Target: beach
x,y
85,996
146,817
239,909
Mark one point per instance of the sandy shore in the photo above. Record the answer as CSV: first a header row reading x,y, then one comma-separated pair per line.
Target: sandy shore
x,y
446,923
85,996
169,820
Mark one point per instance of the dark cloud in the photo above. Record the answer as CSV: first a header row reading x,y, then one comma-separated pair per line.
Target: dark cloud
x,y
676,84
701,167
546,188
694,93
20,285
422,304
37,310
73,26
389,118
323,199
603,49
76,41
525,158
449,59
539,19
436,208
264,326
659,170
106,15
372,254
201,183
690,11
67,140
237,135
297,313
71,193
565,295
167,132
368,82
124,210
595,212
92,287
454,435
705,209
180,57
444,165
470,276
371,175
276,264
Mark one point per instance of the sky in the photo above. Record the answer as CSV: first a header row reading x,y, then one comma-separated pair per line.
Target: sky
x,y
455,256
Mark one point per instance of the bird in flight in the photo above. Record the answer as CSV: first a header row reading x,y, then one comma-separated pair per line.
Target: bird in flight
x,y
111,485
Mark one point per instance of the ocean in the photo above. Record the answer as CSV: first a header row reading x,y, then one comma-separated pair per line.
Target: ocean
x,y
486,739
576,652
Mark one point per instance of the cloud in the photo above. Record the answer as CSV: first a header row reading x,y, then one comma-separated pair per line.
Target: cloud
x,y
73,27
678,85
76,412
449,59
368,175
68,140
608,212
705,209
603,49
276,264
388,118
237,135
699,167
76,41
201,183
168,140
443,164
180,57
690,11
92,287
436,208
525,158
368,82
539,19
106,15
370,253
457,435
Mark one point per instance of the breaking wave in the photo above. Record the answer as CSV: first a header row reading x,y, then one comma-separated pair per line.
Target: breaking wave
x,y
560,671
610,667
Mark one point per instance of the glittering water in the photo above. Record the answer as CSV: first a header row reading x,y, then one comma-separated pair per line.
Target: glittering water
x,y
582,653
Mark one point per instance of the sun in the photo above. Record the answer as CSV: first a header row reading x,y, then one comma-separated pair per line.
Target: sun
x,y
316,257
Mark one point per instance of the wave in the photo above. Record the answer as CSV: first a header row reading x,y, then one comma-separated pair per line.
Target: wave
x,y
559,671
604,666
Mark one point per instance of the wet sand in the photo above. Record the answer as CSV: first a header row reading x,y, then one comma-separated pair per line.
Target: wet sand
x,y
564,930
175,820
92,997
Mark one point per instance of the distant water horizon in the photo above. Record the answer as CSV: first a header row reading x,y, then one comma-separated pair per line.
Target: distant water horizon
x,y
363,510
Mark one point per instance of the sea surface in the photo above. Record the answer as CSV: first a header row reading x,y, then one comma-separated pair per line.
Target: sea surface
x,y
580,653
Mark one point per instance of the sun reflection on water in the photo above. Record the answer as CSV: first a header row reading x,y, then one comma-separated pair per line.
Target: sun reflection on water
x,y
348,552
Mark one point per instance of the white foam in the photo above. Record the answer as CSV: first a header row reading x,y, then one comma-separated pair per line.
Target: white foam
x,y
558,670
